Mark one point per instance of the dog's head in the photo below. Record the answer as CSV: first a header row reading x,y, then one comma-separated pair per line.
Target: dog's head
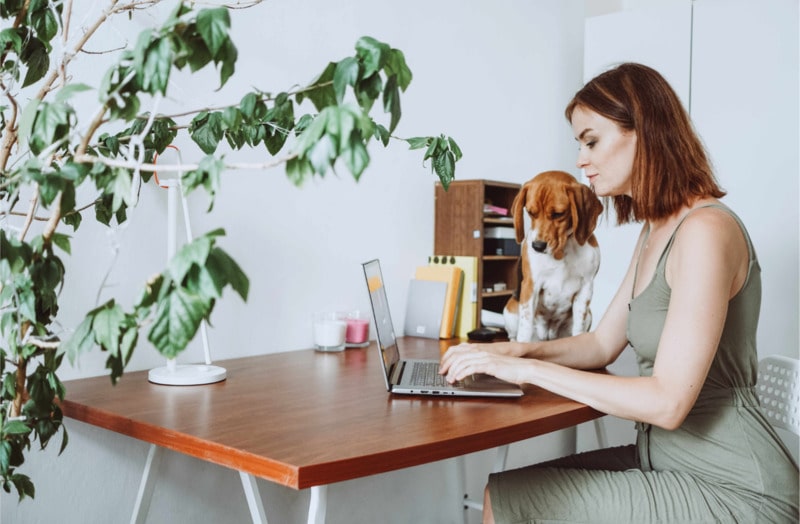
x,y
558,206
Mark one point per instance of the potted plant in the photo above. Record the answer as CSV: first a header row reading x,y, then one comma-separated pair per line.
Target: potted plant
x,y
50,156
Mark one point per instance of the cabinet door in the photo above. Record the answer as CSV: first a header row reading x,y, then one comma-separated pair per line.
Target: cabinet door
x,y
659,37
745,105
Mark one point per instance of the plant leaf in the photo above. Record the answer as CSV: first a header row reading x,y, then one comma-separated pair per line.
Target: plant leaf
x,y
193,253
356,157
418,142
213,26
371,54
396,65
206,131
157,66
35,56
66,92
106,327
178,316
81,341
391,101
225,271
16,427
346,74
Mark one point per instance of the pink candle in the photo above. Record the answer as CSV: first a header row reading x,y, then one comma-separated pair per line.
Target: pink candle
x,y
357,331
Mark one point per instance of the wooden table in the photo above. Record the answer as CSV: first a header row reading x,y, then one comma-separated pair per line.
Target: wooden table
x,y
306,419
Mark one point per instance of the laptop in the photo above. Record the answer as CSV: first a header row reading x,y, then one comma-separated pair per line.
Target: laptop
x,y
416,376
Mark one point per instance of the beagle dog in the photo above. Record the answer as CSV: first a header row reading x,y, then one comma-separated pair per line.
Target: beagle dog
x,y
560,258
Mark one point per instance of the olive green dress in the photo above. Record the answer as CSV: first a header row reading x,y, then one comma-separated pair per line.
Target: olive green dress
x,y
724,464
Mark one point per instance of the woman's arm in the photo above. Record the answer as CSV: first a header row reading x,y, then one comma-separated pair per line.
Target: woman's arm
x,y
705,268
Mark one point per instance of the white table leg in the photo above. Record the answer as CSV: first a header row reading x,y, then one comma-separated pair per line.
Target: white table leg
x,y
500,459
463,502
600,429
318,505
145,494
253,497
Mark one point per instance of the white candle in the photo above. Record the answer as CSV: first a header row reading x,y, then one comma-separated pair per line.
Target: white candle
x,y
329,333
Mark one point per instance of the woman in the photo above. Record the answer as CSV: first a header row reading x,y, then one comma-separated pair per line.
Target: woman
x,y
688,305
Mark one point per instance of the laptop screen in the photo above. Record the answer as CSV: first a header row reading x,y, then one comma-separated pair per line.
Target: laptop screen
x,y
380,312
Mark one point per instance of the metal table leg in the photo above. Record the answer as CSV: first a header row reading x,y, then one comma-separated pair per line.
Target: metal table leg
x,y
145,493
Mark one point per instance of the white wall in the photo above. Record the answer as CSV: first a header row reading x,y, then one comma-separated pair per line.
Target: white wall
x,y
735,65
495,76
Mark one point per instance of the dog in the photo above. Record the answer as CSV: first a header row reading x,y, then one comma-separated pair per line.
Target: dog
x,y
560,258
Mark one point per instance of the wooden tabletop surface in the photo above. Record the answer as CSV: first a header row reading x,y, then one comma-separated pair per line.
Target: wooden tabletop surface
x,y
304,418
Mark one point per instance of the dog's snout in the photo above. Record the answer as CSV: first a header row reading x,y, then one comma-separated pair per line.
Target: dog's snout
x,y
539,246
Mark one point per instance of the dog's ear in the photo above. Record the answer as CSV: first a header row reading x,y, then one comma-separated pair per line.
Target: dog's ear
x,y
518,212
586,208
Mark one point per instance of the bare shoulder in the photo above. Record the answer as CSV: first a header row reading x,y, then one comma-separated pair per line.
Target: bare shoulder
x,y
711,242
711,227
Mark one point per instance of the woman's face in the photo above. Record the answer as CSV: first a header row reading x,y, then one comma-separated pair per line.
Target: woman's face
x,y
605,152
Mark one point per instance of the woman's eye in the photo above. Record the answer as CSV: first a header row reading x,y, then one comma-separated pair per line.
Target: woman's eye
x,y
591,144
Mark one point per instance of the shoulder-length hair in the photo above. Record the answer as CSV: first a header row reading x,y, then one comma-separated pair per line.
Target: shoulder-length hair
x,y
670,165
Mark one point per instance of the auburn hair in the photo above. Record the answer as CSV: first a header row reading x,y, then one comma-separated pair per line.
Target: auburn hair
x,y
670,165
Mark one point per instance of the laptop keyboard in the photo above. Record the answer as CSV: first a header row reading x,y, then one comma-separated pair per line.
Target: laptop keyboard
x,y
427,374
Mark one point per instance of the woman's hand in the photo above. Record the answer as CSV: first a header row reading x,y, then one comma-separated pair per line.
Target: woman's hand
x,y
464,360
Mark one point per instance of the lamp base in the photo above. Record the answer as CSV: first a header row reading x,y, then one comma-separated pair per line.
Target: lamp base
x,y
187,375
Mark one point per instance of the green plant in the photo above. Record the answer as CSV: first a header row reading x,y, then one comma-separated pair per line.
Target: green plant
x,y
48,151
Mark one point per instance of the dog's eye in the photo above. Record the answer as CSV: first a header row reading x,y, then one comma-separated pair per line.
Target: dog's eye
x,y
556,214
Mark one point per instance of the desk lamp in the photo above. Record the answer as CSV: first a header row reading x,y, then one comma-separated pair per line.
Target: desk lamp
x,y
174,374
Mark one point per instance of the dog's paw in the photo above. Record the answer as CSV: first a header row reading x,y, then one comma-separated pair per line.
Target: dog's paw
x,y
511,321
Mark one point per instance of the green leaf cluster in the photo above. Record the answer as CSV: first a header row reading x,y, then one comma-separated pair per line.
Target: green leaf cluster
x,y
344,95
30,278
26,47
174,303
186,39
49,152
444,153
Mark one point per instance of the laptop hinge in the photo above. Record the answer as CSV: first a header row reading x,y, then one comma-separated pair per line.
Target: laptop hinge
x,y
397,372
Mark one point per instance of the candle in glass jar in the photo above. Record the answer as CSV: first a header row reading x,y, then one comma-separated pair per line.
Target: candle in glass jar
x,y
329,331
357,331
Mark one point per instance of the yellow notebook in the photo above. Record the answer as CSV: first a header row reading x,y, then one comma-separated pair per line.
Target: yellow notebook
x,y
454,277
468,311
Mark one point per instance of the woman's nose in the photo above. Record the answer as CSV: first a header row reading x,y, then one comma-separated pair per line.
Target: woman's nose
x,y
581,162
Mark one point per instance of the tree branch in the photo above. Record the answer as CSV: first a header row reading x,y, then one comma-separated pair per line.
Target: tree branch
x,y
9,132
52,223
264,99
29,215
174,168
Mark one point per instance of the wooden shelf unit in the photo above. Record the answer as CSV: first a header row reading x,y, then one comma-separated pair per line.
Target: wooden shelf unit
x,y
460,226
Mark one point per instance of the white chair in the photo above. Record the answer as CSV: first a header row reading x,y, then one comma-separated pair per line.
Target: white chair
x,y
778,389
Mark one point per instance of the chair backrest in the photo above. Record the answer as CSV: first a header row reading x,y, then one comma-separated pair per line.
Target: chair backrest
x,y
778,389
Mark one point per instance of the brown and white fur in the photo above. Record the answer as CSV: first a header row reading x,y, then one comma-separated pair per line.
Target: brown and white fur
x,y
560,258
